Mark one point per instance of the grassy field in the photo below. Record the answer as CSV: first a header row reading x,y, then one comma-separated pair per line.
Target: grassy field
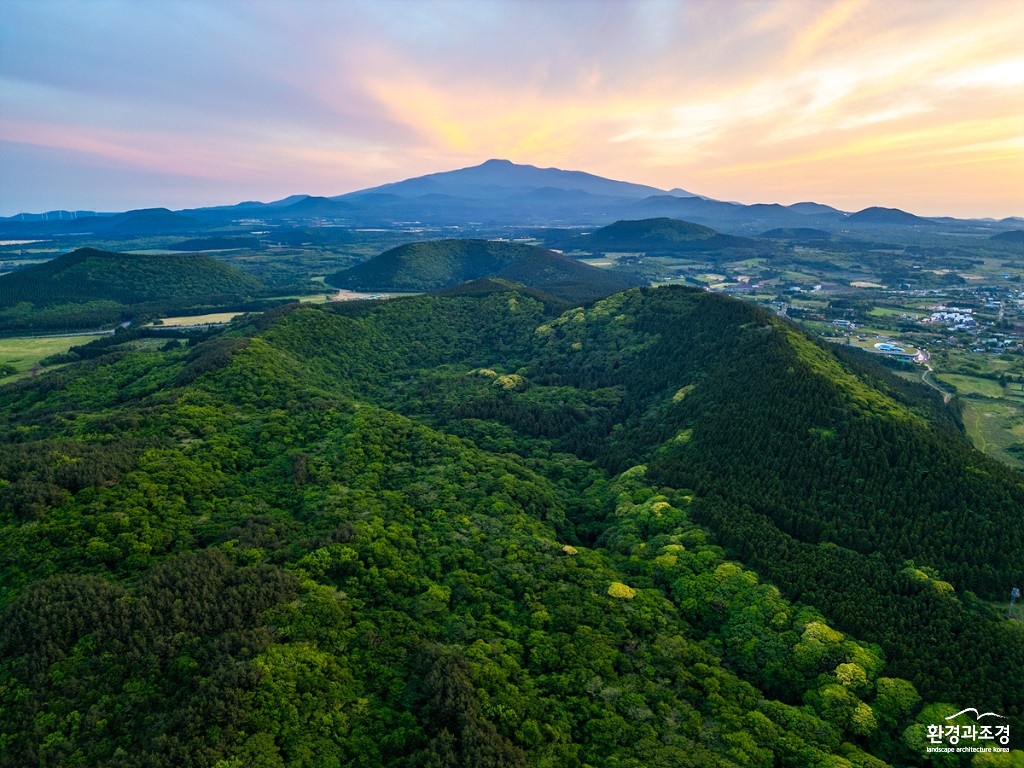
x,y
747,263
993,426
973,385
310,298
890,312
25,352
709,278
210,319
993,415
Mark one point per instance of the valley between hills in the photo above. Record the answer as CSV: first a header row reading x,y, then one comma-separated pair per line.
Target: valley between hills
x,y
646,491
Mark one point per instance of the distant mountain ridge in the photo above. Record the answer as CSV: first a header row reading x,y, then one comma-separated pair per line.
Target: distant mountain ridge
x,y
318,206
148,220
501,178
495,192
139,221
810,208
879,215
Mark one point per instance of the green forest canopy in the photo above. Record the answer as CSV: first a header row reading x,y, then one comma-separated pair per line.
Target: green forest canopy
x,y
463,530
90,288
438,264
658,235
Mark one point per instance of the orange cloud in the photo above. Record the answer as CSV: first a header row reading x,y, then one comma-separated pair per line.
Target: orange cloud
x,y
810,39
845,99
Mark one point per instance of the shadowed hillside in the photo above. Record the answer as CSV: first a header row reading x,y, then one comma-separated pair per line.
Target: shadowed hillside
x,y
438,264
890,216
661,235
89,287
1012,236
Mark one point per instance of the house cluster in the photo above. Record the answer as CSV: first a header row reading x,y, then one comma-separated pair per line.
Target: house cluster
x,y
957,317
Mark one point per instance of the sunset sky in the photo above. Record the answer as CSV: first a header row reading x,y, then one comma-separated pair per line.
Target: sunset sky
x,y
915,104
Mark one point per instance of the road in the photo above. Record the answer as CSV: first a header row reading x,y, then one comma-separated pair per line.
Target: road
x,y
946,396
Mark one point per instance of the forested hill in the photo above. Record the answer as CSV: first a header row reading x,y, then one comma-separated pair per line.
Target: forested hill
x,y
878,215
1012,236
128,278
660,235
441,264
465,530
88,287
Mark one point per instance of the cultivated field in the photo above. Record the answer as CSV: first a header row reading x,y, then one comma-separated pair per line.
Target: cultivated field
x,y
213,318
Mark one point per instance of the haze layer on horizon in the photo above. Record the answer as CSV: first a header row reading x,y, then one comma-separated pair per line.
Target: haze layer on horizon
x,y
119,104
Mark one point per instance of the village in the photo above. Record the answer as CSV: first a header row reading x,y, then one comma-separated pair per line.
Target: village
x,y
961,333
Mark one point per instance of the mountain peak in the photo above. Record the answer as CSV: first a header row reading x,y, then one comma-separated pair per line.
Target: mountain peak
x,y
497,179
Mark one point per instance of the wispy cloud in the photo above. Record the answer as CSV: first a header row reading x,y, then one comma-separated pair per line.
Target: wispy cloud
x,y
741,100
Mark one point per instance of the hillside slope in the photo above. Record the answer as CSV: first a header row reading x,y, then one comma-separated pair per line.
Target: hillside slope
x,y
90,286
659,235
1011,236
849,489
437,264
464,530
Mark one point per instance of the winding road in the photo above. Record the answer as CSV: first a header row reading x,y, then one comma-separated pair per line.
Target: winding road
x,y
946,396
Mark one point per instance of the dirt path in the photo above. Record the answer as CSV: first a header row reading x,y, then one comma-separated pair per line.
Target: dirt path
x,y
946,396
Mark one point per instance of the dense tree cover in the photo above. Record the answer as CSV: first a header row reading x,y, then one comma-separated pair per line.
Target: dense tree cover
x,y
660,235
430,265
490,285
143,221
410,533
879,215
89,287
834,488
1012,236
766,421
437,264
127,278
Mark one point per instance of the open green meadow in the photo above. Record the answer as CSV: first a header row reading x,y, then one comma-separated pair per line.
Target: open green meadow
x,y
747,263
888,312
994,427
993,415
24,353
981,387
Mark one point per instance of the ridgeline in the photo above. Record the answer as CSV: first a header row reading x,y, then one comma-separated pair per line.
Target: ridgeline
x,y
663,530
